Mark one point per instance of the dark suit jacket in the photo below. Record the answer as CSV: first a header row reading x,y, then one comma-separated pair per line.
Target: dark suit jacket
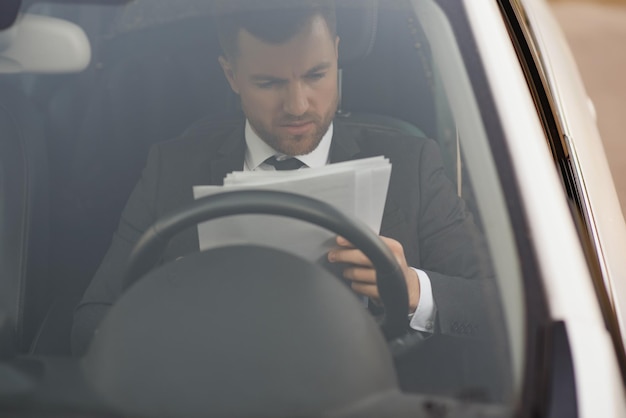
x,y
422,211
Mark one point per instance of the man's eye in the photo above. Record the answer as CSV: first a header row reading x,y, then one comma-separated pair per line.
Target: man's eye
x,y
317,76
267,84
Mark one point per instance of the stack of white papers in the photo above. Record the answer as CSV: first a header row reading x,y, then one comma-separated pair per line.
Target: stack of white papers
x,y
358,188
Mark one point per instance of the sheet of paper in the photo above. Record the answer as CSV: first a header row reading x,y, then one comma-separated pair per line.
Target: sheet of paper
x,y
380,185
358,188
239,177
298,237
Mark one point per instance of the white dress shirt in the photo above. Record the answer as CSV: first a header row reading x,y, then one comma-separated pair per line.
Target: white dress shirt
x,y
257,151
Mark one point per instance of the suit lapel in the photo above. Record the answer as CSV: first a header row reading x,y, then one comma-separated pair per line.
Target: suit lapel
x,y
344,146
229,157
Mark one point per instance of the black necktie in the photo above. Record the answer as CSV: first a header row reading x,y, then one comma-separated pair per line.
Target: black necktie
x,y
287,164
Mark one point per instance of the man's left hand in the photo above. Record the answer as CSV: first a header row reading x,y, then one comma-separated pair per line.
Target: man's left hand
x,y
362,274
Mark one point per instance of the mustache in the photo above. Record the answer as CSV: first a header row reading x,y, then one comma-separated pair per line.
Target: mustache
x,y
288,120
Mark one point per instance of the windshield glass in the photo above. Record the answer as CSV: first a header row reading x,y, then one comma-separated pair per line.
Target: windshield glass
x,y
174,97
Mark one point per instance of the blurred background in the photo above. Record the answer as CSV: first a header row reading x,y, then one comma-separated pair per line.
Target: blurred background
x,y
596,31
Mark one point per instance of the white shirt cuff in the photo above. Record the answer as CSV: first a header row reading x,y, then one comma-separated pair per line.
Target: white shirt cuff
x,y
424,317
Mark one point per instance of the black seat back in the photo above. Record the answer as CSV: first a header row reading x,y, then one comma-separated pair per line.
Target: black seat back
x,y
25,291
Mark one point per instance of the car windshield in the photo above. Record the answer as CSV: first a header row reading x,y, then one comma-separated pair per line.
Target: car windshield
x,y
174,96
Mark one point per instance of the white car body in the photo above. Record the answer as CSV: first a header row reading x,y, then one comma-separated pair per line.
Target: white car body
x,y
568,283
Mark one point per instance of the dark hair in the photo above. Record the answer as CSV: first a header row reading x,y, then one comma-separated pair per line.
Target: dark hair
x,y
273,21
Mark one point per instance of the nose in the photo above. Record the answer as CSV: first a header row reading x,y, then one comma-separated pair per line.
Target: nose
x,y
296,102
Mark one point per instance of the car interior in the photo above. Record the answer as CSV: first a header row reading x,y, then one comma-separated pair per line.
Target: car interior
x,y
148,85
73,147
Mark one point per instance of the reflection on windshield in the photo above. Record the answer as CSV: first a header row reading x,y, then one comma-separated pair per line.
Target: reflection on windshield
x,y
182,94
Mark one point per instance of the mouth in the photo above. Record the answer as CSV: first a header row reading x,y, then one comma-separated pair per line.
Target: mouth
x,y
298,128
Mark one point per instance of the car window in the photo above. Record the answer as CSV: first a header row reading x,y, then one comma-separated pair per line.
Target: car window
x,y
114,145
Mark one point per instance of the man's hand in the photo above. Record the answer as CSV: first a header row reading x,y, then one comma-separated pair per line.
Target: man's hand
x,y
362,273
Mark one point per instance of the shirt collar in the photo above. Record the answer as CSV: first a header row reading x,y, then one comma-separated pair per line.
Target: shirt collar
x,y
257,151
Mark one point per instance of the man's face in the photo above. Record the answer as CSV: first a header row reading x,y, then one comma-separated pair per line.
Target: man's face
x,y
288,91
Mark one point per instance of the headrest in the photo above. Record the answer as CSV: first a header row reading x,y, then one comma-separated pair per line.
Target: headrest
x,y
42,44
356,20
357,23
272,336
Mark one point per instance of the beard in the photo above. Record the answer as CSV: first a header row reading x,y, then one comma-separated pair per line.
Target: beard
x,y
294,145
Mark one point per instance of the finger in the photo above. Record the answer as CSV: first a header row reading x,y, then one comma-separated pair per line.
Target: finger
x,y
359,274
342,242
351,256
371,291
388,241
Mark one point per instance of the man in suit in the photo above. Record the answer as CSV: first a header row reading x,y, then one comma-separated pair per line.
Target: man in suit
x,y
283,66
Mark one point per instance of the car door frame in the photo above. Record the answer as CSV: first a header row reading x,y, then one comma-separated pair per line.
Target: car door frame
x,y
526,110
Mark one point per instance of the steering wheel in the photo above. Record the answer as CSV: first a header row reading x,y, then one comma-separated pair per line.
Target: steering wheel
x,y
391,283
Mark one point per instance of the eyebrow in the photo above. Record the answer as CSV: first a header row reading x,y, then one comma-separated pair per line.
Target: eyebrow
x,y
319,67
263,78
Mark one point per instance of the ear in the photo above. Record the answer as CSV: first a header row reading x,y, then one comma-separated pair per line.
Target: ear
x,y
337,48
229,72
